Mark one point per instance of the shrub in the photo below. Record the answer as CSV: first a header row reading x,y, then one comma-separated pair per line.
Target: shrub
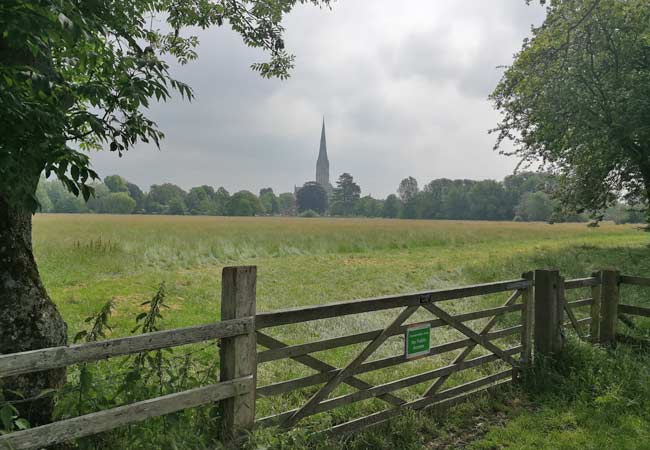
x,y
309,213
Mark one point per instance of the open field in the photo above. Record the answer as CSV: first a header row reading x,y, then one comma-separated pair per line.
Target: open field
x,y
89,259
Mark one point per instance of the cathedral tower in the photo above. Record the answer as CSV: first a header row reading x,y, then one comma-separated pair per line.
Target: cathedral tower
x,y
323,164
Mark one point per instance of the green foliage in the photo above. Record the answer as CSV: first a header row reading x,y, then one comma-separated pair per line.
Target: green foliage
x,y
312,196
345,197
621,214
369,207
269,201
526,195
200,201
575,99
408,191
392,207
535,206
117,203
92,388
61,199
116,183
44,202
76,76
176,207
309,213
10,420
302,262
136,194
164,193
591,397
287,204
243,203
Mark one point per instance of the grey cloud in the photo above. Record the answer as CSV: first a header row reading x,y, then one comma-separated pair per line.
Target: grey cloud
x,y
403,87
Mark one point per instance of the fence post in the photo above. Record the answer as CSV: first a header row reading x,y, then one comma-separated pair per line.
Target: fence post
x,y
527,315
549,313
596,293
238,355
608,305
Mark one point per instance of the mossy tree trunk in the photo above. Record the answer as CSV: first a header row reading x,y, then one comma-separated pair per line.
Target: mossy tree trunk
x,y
28,319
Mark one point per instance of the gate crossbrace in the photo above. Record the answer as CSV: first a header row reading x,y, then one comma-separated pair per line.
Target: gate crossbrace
x,y
324,391
481,340
435,387
321,366
569,311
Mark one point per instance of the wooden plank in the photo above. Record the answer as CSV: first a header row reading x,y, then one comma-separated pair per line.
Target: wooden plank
x,y
465,353
584,320
581,282
568,310
481,340
504,332
444,399
54,357
548,313
596,292
634,310
402,383
300,383
290,351
89,424
527,317
327,372
638,281
580,303
238,354
609,305
324,391
305,314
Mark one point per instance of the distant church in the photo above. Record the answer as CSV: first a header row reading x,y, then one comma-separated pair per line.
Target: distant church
x,y
323,163
322,166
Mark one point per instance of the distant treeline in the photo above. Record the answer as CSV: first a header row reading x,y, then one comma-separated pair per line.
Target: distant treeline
x,y
521,197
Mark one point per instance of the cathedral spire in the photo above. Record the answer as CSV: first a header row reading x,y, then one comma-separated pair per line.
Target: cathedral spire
x,y
323,164
322,151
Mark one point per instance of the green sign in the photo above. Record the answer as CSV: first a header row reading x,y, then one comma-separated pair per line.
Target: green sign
x,y
418,339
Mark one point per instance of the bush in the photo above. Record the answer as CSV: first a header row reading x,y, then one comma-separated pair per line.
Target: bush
x,y
117,203
309,213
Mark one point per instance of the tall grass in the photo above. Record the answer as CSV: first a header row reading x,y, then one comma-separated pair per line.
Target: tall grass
x,y
87,260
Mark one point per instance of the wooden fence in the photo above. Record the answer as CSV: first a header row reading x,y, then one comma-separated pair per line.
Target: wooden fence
x,y
538,298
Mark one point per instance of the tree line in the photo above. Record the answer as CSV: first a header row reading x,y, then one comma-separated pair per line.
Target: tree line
x,y
520,197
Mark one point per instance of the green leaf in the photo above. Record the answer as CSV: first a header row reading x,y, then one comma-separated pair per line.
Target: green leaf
x,y
7,417
80,335
21,424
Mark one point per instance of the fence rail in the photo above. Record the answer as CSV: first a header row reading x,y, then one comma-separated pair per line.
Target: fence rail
x,y
89,424
306,314
55,357
539,300
634,310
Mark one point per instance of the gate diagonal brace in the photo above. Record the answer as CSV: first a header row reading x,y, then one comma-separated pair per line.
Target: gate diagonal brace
x,y
569,311
480,340
322,394
435,387
321,366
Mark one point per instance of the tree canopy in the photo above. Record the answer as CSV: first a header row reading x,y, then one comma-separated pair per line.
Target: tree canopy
x,y
312,196
346,196
576,100
79,75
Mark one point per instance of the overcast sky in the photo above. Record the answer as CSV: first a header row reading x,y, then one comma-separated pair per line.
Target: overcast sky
x,y
403,87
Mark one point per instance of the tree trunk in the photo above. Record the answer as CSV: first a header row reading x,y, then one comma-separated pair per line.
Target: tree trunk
x,y
28,318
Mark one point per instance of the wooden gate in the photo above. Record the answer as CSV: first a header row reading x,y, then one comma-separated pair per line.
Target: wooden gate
x,y
328,378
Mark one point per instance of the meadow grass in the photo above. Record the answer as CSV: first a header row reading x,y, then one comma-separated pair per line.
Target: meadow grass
x,y
86,260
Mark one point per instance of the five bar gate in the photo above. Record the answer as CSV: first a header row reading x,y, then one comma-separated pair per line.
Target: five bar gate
x,y
538,300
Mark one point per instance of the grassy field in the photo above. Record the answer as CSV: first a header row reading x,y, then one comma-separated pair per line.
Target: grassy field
x,y
90,259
